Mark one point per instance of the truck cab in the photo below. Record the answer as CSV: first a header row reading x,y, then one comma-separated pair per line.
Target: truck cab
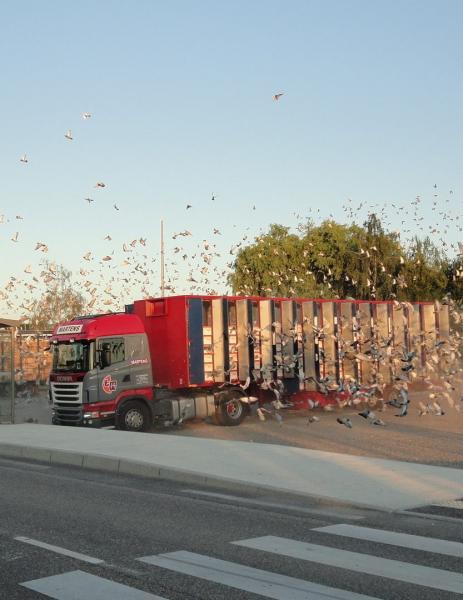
x,y
101,373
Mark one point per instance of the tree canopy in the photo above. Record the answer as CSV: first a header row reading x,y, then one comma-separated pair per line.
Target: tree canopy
x,y
339,261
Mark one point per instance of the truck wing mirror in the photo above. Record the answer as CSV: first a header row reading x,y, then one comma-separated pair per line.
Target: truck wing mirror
x,y
105,356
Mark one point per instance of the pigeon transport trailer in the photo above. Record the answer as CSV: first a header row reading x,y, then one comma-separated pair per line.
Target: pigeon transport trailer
x,y
182,357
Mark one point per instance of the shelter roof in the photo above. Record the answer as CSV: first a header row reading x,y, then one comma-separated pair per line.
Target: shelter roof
x,y
9,322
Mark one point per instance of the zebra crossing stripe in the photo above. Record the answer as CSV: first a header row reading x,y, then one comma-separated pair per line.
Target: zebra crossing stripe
x,y
405,540
78,585
362,563
249,579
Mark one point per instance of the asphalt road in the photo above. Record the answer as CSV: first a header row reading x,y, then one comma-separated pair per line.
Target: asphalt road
x,y
428,439
117,520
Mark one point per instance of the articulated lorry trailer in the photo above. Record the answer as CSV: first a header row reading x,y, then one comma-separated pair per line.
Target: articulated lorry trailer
x,y
171,359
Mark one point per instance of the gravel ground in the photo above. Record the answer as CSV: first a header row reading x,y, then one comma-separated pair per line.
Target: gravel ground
x,y
429,439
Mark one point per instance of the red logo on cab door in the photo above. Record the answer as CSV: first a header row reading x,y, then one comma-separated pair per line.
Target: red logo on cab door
x,y
109,384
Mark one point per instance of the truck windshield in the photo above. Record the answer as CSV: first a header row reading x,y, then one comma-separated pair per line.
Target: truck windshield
x,y
71,357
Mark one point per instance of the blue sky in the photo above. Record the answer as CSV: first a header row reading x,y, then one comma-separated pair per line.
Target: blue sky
x,y
181,100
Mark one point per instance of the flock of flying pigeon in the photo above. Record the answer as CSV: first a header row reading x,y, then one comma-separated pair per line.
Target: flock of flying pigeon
x,y
434,363
202,266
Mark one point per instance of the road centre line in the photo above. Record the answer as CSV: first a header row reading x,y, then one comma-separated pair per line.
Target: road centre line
x,y
249,579
59,550
431,577
405,540
286,507
78,585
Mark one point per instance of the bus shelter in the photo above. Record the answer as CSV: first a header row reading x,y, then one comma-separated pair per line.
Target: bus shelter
x,y
7,369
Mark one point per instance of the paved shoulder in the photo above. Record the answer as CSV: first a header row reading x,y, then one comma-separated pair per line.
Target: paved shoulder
x,y
358,480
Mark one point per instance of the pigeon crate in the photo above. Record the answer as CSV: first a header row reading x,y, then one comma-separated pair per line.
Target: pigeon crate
x,y
199,340
206,340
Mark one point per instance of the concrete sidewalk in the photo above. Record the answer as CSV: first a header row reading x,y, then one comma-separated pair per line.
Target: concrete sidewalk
x,y
371,482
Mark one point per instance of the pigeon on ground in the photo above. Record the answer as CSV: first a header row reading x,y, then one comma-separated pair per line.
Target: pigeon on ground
x,y
312,419
345,421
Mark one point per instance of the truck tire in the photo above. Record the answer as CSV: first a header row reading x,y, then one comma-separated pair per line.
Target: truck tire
x,y
230,410
133,416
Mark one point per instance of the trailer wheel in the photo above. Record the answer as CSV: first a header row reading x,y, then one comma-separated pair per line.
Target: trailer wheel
x,y
230,411
133,416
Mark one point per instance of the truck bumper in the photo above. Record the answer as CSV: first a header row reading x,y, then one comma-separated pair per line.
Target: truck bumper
x,y
80,417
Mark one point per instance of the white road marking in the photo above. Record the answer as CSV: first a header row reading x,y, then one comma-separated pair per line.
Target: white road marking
x,y
417,542
286,507
458,504
77,585
429,516
361,563
242,577
59,550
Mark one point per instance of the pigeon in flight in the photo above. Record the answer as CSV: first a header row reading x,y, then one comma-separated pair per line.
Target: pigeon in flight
x,y
68,135
24,159
86,116
277,96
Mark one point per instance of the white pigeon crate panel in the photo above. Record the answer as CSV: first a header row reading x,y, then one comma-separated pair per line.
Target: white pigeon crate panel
x,y
310,344
364,334
347,366
329,355
382,338
288,332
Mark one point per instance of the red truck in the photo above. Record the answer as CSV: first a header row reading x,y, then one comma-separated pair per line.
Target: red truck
x,y
176,358
152,363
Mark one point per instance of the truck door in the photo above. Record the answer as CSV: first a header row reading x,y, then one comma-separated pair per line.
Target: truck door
x,y
114,379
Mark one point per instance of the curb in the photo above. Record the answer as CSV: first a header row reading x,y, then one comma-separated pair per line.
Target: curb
x,y
122,466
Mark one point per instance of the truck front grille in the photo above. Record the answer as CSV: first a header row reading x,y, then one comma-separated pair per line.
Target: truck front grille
x,y
66,392
67,401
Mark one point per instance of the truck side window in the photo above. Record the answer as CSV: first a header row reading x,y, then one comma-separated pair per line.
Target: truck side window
x,y
117,348
135,347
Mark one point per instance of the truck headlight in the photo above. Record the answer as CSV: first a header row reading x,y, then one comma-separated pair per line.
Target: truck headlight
x,y
92,415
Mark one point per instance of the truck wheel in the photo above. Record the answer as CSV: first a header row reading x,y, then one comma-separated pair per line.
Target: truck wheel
x,y
230,411
134,416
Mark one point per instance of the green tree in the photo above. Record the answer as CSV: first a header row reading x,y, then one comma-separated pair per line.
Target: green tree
x,y
454,276
426,271
337,260
269,267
